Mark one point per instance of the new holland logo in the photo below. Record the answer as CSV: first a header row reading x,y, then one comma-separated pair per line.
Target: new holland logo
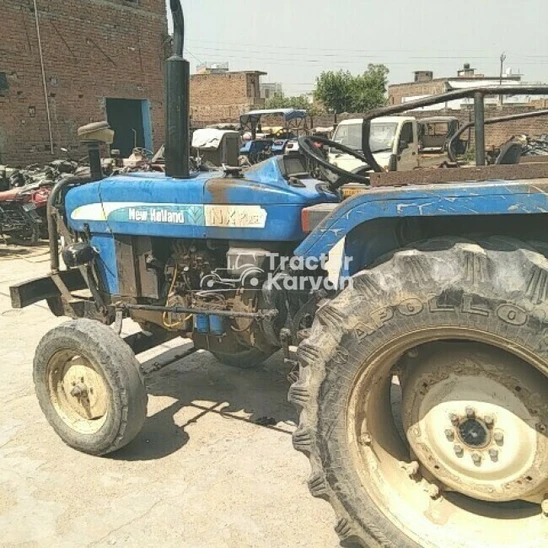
x,y
221,216
154,215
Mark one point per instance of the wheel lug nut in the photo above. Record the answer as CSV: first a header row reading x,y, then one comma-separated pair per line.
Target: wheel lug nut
x,y
470,413
459,451
433,492
476,457
453,417
450,434
79,390
410,468
499,437
494,454
365,439
488,420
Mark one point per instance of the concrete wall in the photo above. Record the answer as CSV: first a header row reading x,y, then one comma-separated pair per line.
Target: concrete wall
x,y
92,49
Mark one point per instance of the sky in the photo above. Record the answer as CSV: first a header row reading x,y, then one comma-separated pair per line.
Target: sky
x,y
295,40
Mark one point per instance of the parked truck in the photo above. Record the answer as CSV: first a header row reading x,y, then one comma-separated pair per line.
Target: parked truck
x,y
399,143
420,375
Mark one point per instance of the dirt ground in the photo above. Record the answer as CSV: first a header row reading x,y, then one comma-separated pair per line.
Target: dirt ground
x,y
201,473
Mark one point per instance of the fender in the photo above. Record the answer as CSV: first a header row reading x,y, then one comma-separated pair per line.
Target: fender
x,y
382,204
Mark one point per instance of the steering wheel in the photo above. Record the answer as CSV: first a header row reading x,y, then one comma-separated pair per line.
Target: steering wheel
x,y
308,148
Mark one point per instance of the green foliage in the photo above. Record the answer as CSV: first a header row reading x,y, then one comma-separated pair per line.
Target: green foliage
x,y
343,92
334,90
279,100
369,89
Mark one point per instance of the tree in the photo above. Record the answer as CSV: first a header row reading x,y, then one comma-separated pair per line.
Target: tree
x,y
279,100
369,88
343,92
334,91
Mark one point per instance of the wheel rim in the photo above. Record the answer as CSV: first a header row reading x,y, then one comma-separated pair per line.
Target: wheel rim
x,y
482,429
410,467
78,392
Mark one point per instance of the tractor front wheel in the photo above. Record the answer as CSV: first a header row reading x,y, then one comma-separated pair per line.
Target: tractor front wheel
x,y
89,387
423,398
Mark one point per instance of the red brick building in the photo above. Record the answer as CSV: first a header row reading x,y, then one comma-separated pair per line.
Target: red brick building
x,y
96,60
424,84
223,96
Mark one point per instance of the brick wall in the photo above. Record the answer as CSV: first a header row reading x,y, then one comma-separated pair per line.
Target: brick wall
x,y
223,97
397,92
497,134
92,49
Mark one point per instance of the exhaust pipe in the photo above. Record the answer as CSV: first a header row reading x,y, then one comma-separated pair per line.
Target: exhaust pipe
x,y
177,145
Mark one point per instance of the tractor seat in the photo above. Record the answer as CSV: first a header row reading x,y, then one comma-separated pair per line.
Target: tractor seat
x,y
96,131
8,195
510,153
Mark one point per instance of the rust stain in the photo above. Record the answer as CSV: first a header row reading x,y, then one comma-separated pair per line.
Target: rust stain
x,y
218,189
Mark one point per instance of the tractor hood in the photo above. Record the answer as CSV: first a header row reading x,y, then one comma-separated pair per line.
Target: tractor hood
x,y
263,204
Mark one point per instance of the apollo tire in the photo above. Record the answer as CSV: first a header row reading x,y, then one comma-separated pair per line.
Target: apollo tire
x,y
491,294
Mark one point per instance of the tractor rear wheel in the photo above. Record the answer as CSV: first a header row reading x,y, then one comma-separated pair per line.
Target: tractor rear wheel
x,y
423,398
89,386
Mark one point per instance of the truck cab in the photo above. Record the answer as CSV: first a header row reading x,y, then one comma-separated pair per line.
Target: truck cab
x,y
394,142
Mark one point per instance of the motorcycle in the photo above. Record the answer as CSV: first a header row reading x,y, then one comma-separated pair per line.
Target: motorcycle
x,y
19,218
23,205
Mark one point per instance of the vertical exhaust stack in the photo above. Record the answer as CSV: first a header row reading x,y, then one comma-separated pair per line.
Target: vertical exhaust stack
x,y
177,146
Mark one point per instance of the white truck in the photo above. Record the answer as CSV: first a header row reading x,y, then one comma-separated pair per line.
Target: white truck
x,y
396,142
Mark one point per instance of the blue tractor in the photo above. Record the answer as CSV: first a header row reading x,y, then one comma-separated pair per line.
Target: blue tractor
x,y
420,367
274,140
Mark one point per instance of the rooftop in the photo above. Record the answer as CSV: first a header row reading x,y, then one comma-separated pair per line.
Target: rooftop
x,y
467,74
224,73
